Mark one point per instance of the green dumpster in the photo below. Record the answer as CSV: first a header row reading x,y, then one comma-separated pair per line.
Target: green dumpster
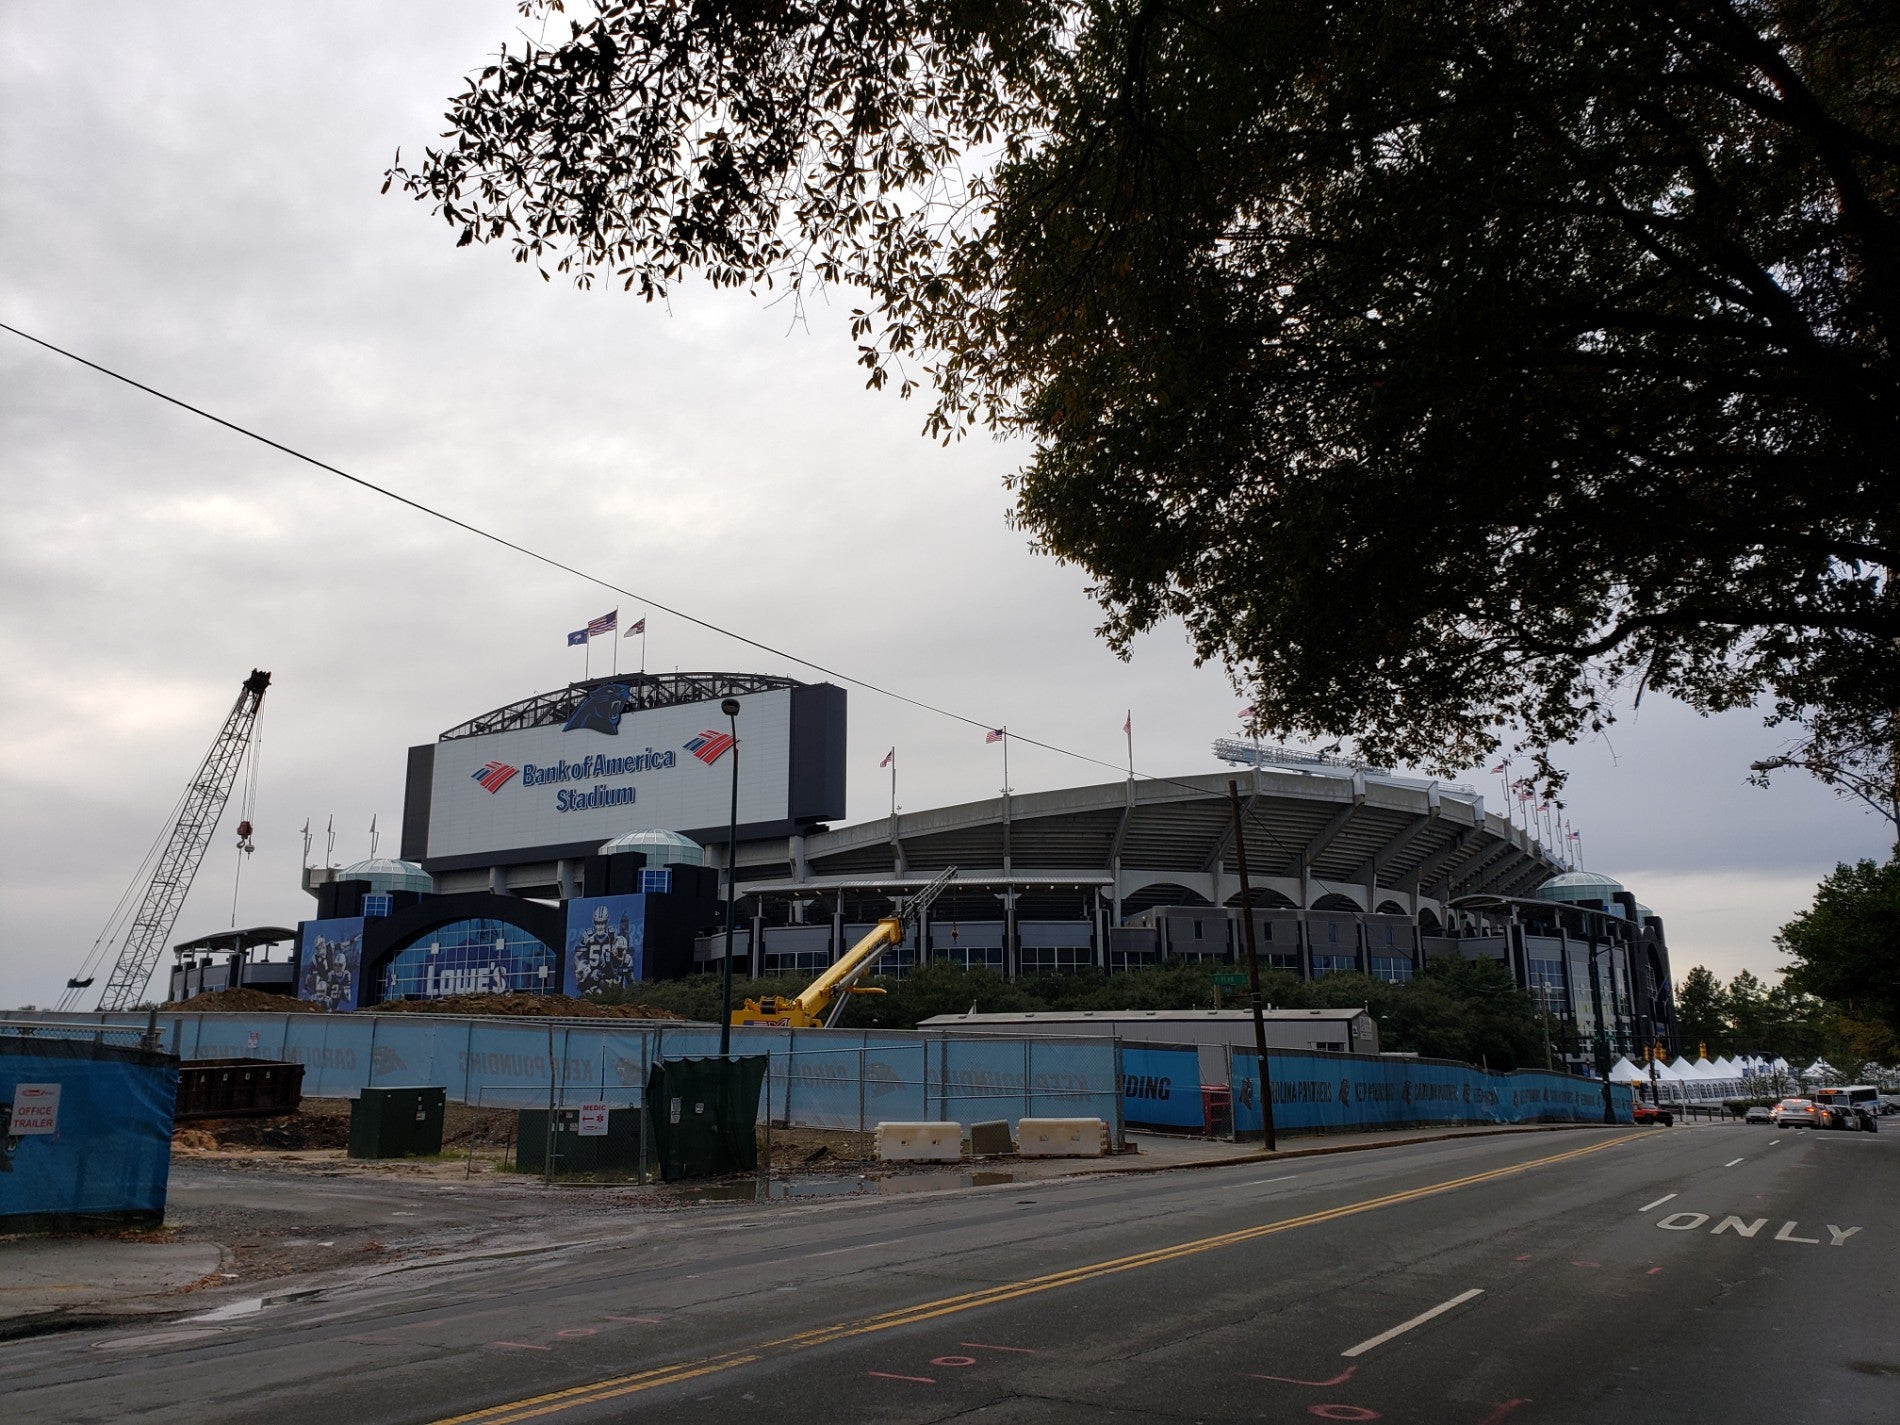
x,y
397,1122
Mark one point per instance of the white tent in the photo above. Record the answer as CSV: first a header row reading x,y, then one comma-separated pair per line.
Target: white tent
x,y
1669,1083
1624,1072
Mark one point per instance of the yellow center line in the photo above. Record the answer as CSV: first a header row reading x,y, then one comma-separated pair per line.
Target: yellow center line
x,y
593,1393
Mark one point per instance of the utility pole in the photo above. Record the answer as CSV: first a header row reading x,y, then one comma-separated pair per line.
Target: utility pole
x,y
1267,1142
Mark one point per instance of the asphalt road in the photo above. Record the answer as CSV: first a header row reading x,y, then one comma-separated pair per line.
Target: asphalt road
x,y
1708,1273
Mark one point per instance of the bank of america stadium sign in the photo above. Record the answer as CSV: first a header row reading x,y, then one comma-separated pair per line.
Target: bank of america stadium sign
x,y
549,787
563,774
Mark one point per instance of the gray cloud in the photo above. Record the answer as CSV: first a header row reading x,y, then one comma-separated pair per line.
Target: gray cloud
x,y
192,198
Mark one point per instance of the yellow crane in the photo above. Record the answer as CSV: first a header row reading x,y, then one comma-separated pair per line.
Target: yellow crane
x,y
833,989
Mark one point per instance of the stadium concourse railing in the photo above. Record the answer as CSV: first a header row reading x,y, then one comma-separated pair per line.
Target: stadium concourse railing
x,y
819,1078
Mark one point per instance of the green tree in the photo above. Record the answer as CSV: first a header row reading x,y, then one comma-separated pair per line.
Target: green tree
x,y
1702,1012
1748,1014
1845,950
1443,364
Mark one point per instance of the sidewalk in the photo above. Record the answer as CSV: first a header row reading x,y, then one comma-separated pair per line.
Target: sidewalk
x,y
61,1283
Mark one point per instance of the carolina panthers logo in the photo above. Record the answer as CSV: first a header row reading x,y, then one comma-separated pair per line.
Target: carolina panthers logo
x,y
600,710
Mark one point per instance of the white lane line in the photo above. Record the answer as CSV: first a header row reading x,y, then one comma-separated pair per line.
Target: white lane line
x,y
856,1247
1650,1206
1418,1320
1773,1141
1259,1182
1731,1162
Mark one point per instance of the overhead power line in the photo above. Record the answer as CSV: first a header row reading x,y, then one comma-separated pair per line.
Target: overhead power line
x,y
608,585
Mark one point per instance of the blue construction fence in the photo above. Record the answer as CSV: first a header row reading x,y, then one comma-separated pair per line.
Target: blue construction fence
x,y
1318,1093
817,1078
85,1133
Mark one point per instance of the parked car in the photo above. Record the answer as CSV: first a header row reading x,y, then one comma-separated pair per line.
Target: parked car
x,y
1795,1113
1855,1107
1758,1113
1652,1113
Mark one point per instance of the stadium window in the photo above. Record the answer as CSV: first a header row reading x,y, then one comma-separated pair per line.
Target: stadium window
x,y
656,880
377,906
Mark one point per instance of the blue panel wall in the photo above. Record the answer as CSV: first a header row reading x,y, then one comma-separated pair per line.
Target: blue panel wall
x,y
1317,1092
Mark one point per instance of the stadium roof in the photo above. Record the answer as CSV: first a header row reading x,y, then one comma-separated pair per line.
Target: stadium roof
x,y
1357,836
644,690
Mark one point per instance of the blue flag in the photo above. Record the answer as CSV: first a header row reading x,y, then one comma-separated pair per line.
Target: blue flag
x,y
579,635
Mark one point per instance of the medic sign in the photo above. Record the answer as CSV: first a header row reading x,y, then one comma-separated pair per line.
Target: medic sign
x,y
593,1122
35,1110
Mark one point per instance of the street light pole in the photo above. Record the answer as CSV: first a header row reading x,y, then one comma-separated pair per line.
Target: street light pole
x,y
730,707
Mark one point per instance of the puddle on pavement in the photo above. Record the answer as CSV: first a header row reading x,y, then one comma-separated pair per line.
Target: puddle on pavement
x,y
232,1310
821,1186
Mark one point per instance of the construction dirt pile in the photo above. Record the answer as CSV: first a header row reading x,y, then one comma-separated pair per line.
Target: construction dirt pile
x,y
325,1123
245,1002
536,1006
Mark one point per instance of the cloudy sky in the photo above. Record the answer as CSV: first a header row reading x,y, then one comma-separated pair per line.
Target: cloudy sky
x,y
191,198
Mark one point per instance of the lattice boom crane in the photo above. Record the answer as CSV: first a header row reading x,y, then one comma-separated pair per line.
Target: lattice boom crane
x,y
203,805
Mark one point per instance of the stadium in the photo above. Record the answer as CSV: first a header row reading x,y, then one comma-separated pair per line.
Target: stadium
x,y
580,838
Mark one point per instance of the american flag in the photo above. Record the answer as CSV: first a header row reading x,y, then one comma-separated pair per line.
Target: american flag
x,y
709,746
1503,766
995,734
606,623
889,757
1247,711
493,776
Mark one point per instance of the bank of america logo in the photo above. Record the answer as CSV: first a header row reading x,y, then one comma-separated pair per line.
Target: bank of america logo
x,y
709,746
494,776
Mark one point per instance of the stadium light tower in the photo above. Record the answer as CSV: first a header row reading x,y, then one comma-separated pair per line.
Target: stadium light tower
x,y
730,707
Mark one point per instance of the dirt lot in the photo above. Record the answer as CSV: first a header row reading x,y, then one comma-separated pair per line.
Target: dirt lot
x,y
283,1198
320,1131
515,1006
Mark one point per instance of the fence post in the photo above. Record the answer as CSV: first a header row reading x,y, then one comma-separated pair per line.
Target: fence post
x,y
861,1088
765,1163
1027,1063
547,1148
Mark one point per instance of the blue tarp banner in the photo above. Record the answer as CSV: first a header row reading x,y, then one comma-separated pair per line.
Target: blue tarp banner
x,y
1161,1088
88,1133
1316,1092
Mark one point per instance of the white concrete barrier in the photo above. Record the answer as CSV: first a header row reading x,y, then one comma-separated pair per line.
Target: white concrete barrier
x,y
1061,1138
919,1142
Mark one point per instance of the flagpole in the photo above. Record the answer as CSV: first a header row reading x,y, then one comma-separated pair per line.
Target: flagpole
x,y
1005,759
616,643
893,784
1128,730
643,643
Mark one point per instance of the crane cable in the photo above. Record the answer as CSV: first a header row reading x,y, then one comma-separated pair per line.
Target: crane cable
x,y
253,754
